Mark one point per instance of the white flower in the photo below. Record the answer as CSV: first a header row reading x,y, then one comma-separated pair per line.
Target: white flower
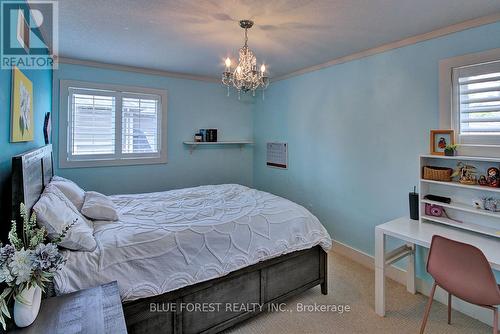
x,y
46,256
21,265
5,275
6,252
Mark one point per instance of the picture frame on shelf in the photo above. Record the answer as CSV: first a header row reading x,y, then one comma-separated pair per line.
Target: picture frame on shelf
x,y
439,139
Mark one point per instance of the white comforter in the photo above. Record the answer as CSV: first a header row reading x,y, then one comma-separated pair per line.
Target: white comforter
x,y
167,240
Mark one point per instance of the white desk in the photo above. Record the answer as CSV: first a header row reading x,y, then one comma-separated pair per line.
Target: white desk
x,y
415,233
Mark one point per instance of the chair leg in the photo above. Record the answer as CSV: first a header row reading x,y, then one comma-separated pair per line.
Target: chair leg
x,y
495,320
428,308
449,308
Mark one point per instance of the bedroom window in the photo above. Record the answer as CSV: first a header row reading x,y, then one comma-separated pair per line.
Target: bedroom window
x,y
106,125
476,103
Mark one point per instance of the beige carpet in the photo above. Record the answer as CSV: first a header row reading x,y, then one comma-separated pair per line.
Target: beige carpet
x,y
352,284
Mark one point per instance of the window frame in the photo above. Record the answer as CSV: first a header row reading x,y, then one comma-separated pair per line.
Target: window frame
x,y
67,160
449,117
471,139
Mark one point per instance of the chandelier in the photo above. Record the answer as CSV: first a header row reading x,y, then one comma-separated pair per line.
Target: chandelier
x,y
245,77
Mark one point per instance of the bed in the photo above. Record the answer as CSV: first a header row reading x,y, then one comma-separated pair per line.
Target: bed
x,y
211,246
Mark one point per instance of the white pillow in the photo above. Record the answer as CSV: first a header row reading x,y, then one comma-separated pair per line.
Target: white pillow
x,y
54,212
70,189
99,207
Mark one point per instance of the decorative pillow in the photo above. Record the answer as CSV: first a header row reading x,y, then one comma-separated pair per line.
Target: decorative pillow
x,y
70,189
99,207
54,212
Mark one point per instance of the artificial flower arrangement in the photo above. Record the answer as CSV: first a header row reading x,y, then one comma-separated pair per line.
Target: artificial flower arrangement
x,y
29,261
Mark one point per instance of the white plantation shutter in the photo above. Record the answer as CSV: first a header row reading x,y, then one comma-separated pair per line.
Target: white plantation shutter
x,y
477,99
114,126
140,130
93,123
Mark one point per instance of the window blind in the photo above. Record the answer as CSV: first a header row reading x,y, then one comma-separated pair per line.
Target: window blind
x,y
140,131
92,124
479,99
113,125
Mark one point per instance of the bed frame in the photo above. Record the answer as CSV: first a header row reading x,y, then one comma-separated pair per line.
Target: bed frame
x,y
266,284
31,172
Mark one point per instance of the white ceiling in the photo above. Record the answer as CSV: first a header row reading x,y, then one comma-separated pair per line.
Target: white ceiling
x,y
194,36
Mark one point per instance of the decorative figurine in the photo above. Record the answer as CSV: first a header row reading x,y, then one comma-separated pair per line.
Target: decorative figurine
x,y
491,204
482,181
478,203
493,177
465,173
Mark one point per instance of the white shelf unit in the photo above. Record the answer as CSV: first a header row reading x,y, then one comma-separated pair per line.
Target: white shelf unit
x,y
193,144
460,211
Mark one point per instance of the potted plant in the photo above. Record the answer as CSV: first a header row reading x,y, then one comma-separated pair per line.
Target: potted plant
x,y
450,150
27,264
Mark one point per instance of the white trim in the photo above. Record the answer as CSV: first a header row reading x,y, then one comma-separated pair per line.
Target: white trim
x,y
423,287
135,69
395,45
368,261
96,161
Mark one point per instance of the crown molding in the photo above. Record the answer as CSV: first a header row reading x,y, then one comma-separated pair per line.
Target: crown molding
x,y
135,69
395,45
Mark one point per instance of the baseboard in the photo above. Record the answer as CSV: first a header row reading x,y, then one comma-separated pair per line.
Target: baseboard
x,y
422,286
368,261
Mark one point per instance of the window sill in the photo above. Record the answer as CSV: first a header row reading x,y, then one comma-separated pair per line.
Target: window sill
x,y
111,163
491,151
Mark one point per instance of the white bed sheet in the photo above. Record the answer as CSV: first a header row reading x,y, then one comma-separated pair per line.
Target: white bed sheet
x,y
167,240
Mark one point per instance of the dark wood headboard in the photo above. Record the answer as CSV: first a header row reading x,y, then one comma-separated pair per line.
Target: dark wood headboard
x,y
31,172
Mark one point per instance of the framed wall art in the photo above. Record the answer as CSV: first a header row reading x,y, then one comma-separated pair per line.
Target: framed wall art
x,y
22,125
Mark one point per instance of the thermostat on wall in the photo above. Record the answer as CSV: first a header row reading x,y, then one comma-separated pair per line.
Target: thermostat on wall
x,y
277,155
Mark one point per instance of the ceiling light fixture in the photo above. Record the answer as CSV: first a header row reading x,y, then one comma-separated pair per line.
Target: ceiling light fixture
x,y
245,76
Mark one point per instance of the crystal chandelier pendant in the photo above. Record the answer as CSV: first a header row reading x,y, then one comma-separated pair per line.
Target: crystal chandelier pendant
x,y
245,77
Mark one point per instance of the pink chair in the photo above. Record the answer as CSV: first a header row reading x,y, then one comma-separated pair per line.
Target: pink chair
x,y
463,271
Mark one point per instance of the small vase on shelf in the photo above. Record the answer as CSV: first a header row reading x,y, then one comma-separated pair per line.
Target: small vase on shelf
x,y
27,305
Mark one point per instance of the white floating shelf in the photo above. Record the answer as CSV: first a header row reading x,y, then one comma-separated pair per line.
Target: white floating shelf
x,y
460,185
460,157
194,144
237,142
466,226
464,208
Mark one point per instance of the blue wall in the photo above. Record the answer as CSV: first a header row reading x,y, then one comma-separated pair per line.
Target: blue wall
x,y
191,105
42,102
355,131
42,99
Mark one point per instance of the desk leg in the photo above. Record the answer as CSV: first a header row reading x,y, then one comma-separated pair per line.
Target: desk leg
x,y
379,272
410,271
